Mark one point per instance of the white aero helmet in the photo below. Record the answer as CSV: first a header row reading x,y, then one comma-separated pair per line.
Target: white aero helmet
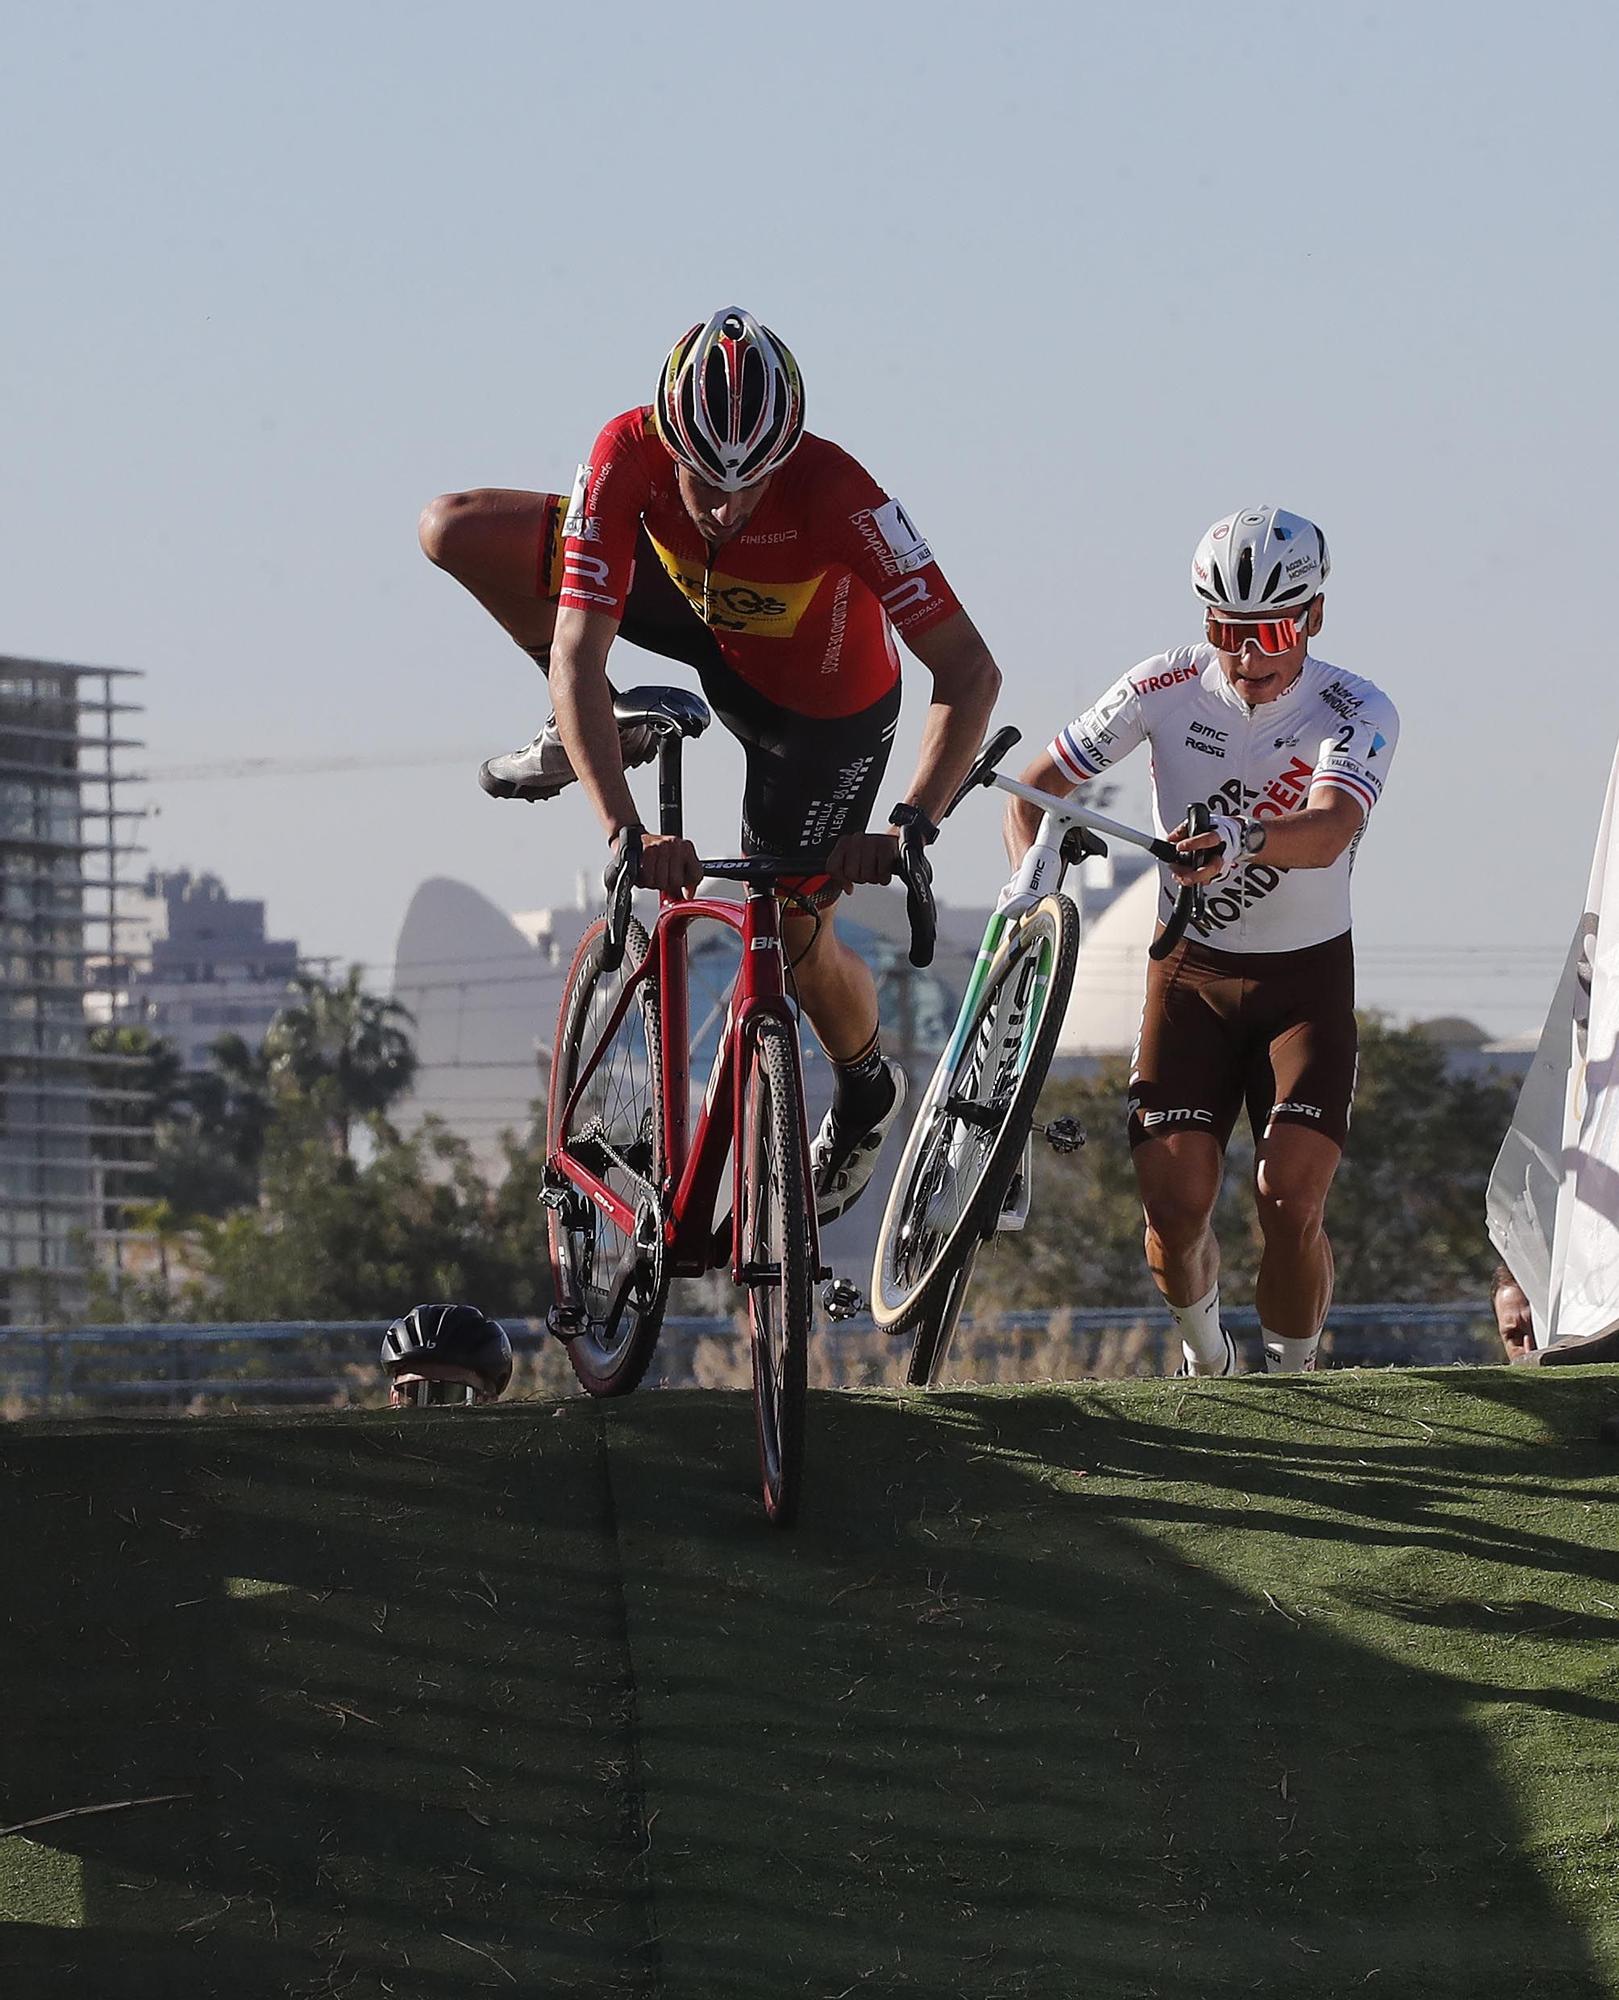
x,y
1259,562
730,402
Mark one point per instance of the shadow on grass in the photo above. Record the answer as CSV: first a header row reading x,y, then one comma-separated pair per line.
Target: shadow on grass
x,y
384,1663
1118,1692
1100,1691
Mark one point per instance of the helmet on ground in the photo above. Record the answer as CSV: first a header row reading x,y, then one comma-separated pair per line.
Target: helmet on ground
x,y
1260,562
446,1354
730,403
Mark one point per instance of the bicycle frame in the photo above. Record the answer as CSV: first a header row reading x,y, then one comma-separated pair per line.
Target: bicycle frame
x,y
1042,873
696,1150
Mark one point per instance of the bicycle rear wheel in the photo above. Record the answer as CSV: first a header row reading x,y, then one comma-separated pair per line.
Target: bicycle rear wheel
x,y
611,1285
970,1127
778,1268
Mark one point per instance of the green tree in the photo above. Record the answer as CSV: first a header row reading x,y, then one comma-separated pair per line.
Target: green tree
x,y
1406,1213
341,1053
334,1238
210,1147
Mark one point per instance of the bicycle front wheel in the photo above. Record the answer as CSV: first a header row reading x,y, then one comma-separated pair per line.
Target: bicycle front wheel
x,y
936,1329
778,1269
610,1284
970,1127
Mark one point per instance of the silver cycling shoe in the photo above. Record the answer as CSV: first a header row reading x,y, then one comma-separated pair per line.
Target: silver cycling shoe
x,y
541,769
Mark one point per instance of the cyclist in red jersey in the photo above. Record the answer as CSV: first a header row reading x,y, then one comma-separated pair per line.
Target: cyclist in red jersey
x,y
712,528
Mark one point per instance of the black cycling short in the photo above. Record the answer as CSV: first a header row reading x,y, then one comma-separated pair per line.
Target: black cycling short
x,y
809,779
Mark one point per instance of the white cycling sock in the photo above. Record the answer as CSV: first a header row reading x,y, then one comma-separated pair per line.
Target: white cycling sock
x,y
1202,1342
1289,1357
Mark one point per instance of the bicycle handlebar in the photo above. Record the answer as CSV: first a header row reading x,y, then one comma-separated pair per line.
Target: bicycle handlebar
x,y
983,770
911,866
1189,903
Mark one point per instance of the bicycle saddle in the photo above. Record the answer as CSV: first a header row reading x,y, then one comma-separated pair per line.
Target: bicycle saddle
x,y
670,711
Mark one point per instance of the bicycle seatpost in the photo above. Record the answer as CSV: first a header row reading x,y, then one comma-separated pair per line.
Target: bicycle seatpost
x,y
671,806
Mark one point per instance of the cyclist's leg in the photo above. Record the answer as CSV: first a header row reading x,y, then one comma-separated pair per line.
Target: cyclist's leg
x,y
1312,1061
1185,1092
505,547
810,780
1178,1174
1294,1286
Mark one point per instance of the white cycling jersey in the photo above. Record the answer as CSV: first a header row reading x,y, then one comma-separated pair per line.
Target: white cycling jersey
x,y
1330,729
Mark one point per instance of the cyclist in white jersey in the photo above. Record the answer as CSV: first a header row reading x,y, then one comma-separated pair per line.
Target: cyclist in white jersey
x,y
1256,1005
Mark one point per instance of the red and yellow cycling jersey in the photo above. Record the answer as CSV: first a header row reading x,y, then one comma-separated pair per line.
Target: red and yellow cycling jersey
x,y
800,602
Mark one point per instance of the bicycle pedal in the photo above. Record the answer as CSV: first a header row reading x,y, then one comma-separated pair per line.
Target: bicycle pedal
x,y
842,1298
1064,1135
564,1325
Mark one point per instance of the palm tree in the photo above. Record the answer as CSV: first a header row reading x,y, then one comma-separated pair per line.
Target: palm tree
x,y
344,1051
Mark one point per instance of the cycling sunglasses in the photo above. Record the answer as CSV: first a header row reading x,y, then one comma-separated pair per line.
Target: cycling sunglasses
x,y
1270,635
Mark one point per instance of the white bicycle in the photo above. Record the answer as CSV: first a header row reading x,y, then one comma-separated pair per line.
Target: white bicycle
x,y
967,1164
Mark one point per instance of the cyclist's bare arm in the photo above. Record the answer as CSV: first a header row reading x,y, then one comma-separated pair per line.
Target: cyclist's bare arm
x,y
1313,838
584,710
966,681
1021,821
489,540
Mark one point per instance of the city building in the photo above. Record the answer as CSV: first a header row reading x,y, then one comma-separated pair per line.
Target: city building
x,y
201,965
74,1137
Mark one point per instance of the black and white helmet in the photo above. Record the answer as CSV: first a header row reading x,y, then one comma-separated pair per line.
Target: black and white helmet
x,y
730,401
1260,562
446,1354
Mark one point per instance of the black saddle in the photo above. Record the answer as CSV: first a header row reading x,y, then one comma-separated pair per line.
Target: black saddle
x,y
669,711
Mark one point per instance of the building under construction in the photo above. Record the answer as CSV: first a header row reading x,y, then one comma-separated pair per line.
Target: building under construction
x,y
74,1133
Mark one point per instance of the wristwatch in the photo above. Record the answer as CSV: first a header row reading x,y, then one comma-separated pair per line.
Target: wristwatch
x,y
1254,835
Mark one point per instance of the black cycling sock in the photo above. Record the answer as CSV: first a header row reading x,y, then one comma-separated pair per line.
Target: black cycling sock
x,y
862,1089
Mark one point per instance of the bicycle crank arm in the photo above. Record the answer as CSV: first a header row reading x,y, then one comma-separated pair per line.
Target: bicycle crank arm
x,y
981,1117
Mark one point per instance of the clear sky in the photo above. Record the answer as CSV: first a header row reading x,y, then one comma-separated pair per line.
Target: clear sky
x,y
1072,281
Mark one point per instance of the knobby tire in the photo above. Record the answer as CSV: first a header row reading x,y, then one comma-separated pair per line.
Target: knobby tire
x,y
775,1224
622,1107
918,1258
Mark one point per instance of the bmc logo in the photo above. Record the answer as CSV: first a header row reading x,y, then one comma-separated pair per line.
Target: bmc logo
x,y
1149,1119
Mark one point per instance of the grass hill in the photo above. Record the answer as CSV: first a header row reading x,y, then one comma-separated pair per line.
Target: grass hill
x,y
1130,1689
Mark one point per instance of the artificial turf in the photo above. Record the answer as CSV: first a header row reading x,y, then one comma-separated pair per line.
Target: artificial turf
x,y
1124,1689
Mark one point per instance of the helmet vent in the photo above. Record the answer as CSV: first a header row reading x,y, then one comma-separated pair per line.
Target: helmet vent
x,y
1245,573
1222,595
1271,582
753,392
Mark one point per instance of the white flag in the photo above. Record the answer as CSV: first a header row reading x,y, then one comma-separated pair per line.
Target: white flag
x,y
1553,1205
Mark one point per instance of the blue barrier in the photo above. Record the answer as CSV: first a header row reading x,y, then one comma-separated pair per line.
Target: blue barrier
x,y
314,1363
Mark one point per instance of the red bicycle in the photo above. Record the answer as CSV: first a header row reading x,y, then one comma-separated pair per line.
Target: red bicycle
x,y
633,1180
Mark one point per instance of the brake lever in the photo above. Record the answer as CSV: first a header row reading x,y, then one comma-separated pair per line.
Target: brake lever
x,y
620,879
